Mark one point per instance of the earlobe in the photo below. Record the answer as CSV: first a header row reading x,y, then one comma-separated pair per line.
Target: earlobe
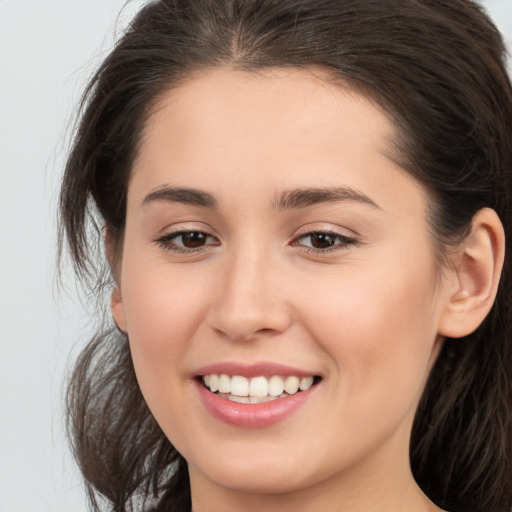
x,y
477,270
117,308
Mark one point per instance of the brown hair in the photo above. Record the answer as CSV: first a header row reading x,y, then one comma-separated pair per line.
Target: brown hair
x,y
437,67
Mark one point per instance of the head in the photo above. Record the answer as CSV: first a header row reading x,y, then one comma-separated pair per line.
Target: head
x,y
443,131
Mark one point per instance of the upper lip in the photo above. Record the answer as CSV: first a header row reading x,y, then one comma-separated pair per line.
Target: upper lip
x,y
259,369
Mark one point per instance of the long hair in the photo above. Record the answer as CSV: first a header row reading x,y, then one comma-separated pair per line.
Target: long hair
x,y
437,68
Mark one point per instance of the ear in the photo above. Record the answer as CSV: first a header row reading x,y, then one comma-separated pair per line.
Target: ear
x,y
474,278
117,308
116,299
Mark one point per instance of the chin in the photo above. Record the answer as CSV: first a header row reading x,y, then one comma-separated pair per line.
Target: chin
x,y
278,474
255,480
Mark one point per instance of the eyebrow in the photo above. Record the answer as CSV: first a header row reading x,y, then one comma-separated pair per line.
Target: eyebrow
x,y
190,196
304,197
288,200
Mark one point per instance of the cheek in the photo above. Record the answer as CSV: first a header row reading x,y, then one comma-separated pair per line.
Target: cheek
x,y
378,328
163,313
378,335
163,310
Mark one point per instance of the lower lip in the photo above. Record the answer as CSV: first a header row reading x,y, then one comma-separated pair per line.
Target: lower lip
x,y
253,415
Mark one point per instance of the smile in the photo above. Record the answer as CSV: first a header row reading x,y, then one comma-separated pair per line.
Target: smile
x,y
256,390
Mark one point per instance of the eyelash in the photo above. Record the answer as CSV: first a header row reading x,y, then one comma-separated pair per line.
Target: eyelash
x,y
168,244
167,241
344,242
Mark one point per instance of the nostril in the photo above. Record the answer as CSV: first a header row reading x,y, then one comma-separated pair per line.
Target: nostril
x,y
265,330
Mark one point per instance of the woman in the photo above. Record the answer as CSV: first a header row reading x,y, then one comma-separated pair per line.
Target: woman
x,y
304,207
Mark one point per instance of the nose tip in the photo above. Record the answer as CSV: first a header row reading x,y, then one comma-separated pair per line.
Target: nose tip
x,y
237,336
251,304
248,318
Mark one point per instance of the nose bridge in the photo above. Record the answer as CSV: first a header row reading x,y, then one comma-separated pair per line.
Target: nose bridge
x,y
249,301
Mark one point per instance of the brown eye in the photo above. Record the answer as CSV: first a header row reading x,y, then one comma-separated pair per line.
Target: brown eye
x,y
187,241
322,240
193,239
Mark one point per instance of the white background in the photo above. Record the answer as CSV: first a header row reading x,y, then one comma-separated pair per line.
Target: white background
x,y
48,48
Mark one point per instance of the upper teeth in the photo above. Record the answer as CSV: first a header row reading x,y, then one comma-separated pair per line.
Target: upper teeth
x,y
257,386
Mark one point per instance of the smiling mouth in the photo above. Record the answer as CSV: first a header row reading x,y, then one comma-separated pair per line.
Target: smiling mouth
x,y
256,390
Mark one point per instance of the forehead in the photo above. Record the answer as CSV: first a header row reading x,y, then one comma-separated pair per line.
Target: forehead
x,y
283,128
266,103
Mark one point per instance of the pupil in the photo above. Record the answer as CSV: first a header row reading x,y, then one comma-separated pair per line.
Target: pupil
x,y
193,239
322,240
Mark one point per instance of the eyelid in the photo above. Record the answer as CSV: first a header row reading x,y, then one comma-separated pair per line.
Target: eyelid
x,y
326,227
335,234
344,241
165,241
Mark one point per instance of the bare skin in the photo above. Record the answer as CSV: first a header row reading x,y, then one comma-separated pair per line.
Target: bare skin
x,y
344,286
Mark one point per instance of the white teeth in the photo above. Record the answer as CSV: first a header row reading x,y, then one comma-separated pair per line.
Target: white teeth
x,y
258,387
214,383
260,400
240,388
291,385
305,383
250,399
224,384
239,399
275,386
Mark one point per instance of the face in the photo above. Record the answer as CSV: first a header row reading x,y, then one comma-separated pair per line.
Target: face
x,y
271,242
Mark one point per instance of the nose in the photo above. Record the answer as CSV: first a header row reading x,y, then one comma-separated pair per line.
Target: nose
x,y
251,301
